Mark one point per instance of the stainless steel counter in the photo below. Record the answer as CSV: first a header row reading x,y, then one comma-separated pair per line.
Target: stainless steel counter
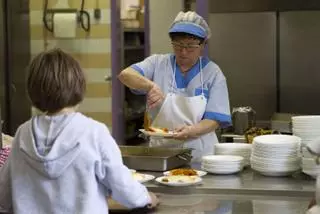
x,y
227,204
244,193
246,182
202,204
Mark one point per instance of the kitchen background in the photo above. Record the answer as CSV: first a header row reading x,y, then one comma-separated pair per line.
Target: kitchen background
x,y
267,49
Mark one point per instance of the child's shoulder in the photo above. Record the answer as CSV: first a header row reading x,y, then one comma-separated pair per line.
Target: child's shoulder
x,y
92,123
24,127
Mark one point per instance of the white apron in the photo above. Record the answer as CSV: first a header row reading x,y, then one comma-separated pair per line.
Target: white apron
x,y
177,111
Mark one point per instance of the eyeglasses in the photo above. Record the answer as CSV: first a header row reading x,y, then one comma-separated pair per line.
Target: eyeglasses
x,y
188,47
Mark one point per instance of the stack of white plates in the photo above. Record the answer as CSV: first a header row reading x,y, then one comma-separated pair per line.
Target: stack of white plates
x,y
237,149
306,127
276,155
222,164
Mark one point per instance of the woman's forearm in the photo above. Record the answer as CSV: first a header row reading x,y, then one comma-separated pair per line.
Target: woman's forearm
x,y
203,127
132,79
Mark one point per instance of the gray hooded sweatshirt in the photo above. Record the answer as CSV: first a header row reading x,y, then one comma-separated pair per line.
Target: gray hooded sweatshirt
x,y
66,164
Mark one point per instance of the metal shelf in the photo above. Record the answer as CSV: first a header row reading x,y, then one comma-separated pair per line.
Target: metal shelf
x,y
133,47
135,116
132,51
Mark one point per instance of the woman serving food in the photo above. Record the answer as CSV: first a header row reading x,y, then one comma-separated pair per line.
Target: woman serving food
x,y
186,93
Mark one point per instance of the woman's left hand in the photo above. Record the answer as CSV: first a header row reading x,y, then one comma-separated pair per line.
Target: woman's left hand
x,y
183,133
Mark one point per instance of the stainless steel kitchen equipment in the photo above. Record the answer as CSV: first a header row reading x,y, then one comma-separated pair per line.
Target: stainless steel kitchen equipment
x,y
232,138
245,50
299,61
243,118
155,159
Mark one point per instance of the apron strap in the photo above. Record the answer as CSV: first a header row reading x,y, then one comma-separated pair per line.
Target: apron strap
x,y
173,82
201,77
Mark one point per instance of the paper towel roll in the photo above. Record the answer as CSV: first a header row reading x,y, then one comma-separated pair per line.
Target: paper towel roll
x,y
65,25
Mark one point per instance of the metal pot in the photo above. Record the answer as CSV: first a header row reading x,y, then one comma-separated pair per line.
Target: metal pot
x,y
243,118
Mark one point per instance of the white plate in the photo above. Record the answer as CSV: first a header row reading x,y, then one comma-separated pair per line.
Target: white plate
x,y
277,140
306,118
156,134
266,148
292,160
222,158
273,156
231,152
132,170
274,168
142,178
276,174
225,166
233,146
179,180
200,173
223,171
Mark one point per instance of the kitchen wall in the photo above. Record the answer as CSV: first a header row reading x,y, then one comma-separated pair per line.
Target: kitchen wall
x,y
244,46
162,14
92,49
268,51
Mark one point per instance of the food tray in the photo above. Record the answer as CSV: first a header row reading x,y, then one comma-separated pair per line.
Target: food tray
x,y
155,158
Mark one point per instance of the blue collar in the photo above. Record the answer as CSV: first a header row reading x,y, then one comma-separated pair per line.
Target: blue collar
x,y
183,81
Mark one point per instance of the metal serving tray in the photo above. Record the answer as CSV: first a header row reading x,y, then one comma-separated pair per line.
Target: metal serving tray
x,y
155,159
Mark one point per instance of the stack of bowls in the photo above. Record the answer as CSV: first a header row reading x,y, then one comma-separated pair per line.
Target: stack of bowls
x,y
222,164
237,149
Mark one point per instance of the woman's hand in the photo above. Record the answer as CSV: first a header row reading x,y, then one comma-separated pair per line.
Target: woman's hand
x,y
154,97
183,133
114,205
193,131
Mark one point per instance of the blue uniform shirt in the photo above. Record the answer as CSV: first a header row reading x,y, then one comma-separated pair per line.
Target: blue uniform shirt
x,y
159,69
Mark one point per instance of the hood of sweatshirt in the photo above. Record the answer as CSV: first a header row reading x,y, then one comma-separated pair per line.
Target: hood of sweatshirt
x,y
49,144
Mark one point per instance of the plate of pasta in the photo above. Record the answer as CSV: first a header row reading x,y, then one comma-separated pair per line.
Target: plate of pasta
x,y
179,180
157,132
142,178
186,172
